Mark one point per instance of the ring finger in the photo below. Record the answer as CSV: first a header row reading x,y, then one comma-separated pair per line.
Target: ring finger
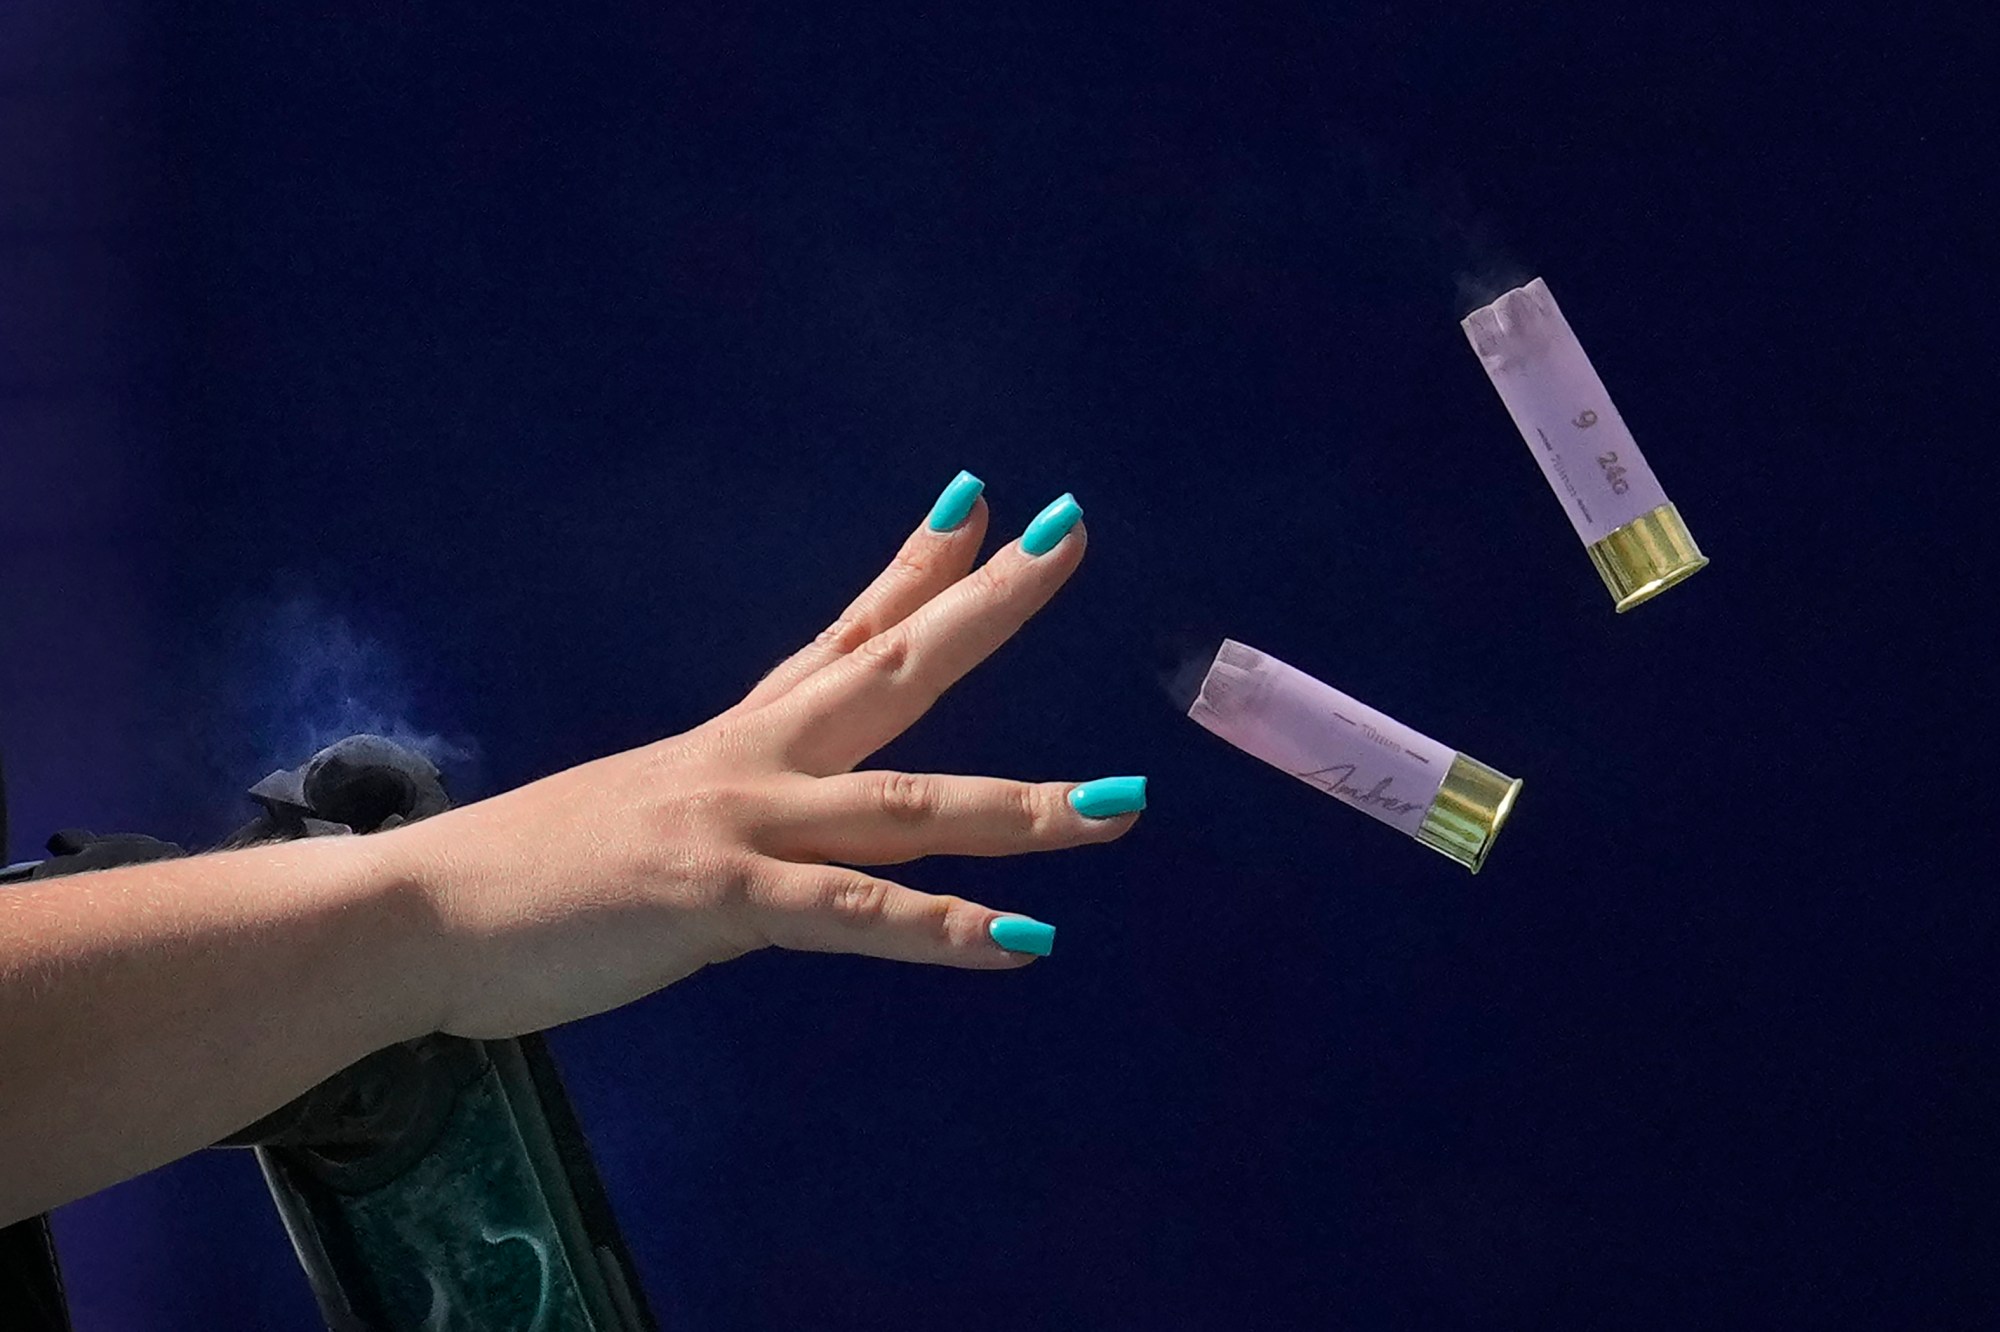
x,y
885,818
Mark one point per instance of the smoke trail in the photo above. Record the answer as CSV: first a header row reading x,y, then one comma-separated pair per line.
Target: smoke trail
x,y
1181,659
282,679
323,680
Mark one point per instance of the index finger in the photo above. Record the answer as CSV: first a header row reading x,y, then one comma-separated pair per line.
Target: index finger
x,y
832,721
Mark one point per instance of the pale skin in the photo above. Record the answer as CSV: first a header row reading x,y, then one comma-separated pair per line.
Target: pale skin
x,y
147,1011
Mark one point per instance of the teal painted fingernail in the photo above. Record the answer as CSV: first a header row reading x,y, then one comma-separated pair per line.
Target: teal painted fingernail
x,y
1108,796
1051,525
1018,934
955,505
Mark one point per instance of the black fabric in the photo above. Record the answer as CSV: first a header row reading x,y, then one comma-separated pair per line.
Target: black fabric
x,y
361,784
31,1293
78,850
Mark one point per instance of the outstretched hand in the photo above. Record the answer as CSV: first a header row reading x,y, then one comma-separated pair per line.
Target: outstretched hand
x,y
600,884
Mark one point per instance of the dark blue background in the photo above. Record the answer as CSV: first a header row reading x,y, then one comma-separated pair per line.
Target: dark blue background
x,y
579,361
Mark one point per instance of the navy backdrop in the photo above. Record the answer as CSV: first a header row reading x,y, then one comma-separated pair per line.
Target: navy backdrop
x,y
534,377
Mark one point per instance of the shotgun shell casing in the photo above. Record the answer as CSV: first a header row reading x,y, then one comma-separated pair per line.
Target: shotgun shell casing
x,y
1450,802
1635,536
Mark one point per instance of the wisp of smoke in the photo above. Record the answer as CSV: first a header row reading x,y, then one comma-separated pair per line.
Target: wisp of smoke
x,y
328,681
1184,658
294,677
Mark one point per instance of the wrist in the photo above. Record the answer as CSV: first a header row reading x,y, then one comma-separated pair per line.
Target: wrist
x,y
393,880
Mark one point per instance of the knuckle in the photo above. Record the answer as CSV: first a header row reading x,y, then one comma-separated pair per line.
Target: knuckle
x,y
858,902
988,586
702,877
910,562
906,796
888,653
943,919
844,635
724,881
1035,806
717,806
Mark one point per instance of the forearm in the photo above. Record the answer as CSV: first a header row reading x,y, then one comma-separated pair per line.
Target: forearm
x,y
147,1011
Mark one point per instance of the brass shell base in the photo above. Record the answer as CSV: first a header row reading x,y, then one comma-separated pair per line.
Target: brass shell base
x,y
1470,807
1646,557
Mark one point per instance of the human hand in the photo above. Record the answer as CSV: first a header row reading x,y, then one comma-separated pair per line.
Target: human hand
x,y
600,884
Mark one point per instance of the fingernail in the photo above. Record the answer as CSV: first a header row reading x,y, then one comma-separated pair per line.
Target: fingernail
x,y
1018,934
1108,796
955,505
1051,525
